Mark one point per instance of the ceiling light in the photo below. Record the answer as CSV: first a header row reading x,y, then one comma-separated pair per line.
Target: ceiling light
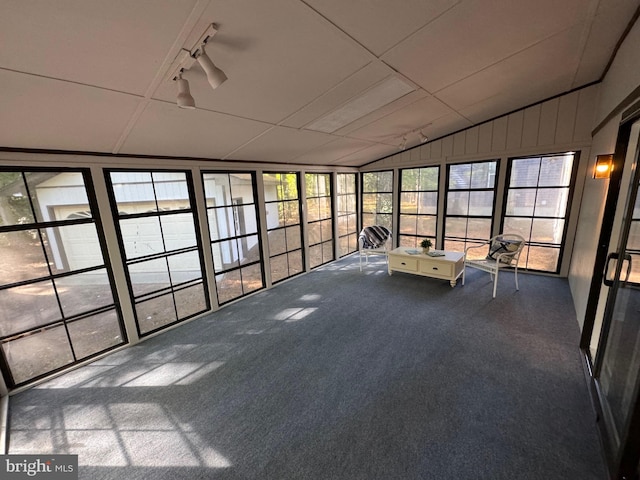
x,y
185,60
423,137
184,100
215,76
403,145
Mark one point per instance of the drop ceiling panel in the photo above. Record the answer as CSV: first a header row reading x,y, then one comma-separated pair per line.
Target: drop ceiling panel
x,y
164,129
354,85
526,71
445,125
372,100
112,44
391,127
366,155
383,112
280,144
492,107
483,111
476,34
279,56
73,71
380,24
331,153
37,112
608,25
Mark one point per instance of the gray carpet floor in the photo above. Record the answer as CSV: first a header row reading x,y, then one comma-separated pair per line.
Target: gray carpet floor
x,y
336,374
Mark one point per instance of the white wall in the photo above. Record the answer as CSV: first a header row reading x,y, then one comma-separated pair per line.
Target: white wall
x,y
589,222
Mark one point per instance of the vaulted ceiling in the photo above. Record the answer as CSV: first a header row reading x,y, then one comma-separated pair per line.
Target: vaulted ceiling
x,y
322,82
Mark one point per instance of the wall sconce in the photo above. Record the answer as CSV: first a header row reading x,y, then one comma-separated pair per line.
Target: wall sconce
x,y
603,167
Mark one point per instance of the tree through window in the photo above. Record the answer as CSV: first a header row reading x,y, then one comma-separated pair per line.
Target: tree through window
x,y
418,205
470,202
377,199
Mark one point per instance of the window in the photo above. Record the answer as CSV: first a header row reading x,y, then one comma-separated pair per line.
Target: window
x,y
377,199
161,247
57,304
282,204
536,204
234,232
347,214
633,244
319,218
469,204
418,205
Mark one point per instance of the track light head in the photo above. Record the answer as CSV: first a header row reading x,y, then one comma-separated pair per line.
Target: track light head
x,y
184,99
423,137
403,145
215,76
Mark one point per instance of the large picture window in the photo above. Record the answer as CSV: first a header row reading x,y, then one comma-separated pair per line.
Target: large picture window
x,y
57,304
282,204
160,243
469,205
418,205
537,198
319,218
377,199
347,214
234,232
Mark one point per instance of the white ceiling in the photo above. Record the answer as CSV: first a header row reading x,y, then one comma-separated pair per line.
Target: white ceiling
x,y
94,75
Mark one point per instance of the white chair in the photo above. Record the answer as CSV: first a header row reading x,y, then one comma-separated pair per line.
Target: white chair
x,y
504,251
375,240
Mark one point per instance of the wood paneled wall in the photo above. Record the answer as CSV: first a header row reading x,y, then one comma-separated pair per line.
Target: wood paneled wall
x,y
560,124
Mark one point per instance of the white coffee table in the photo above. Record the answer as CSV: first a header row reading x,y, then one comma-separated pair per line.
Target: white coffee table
x,y
447,267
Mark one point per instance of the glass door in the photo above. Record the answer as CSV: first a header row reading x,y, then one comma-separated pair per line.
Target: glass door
x,y
617,365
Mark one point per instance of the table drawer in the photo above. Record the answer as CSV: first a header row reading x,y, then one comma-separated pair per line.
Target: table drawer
x,y
435,268
403,263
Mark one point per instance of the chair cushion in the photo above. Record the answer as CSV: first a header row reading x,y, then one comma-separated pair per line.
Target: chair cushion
x,y
500,246
375,236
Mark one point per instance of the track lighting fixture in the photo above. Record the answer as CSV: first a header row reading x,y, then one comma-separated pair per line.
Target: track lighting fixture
x,y
185,59
407,136
215,76
184,100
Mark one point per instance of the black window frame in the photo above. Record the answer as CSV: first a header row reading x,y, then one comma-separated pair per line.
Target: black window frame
x,y
64,321
260,260
377,213
322,241
572,183
350,233
284,227
172,289
418,237
469,241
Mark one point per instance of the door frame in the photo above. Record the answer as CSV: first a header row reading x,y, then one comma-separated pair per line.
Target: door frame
x,y
623,459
